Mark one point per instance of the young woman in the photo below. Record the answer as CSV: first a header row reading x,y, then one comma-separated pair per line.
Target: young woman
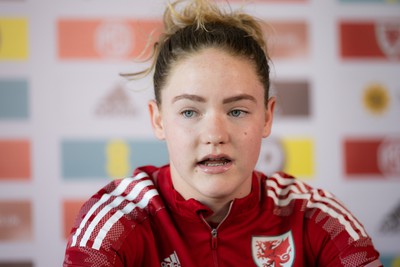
x,y
209,207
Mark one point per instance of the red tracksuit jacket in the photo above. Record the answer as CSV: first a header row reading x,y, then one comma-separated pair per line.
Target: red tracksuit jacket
x,y
143,221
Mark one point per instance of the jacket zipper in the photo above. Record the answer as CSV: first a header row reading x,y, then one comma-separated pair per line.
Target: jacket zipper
x,y
214,236
214,245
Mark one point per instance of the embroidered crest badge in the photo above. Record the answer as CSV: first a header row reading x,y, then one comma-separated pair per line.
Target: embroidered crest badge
x,y
273,251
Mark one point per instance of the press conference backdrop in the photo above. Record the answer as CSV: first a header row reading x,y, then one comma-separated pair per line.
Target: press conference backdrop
x,y
69,123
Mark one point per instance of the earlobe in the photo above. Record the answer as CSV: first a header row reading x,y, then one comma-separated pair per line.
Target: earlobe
x,y
269,115
156,121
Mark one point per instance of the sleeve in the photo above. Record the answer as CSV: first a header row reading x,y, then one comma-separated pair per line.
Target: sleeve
x,y
85,257
129,254
335,237
107,232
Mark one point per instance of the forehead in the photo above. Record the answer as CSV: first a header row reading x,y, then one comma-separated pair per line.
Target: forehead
x,y
213,72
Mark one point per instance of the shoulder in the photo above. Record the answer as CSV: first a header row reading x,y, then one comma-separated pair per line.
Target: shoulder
x,y
328,224
284,188
317,204
111,214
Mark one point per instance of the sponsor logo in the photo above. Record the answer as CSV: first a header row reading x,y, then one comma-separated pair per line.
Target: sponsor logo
x,y
106,39
299,157
171,261
70,211
376,157
13,39
391,223
15,160
273,251
288,40
113,39
15,221
376,98
117,154
369,39
14,99
291,155
388,36
292,99
272,156
389,157
116,104
109,158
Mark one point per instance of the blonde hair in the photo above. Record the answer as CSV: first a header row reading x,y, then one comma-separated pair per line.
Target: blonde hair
x,y
202,24
201,12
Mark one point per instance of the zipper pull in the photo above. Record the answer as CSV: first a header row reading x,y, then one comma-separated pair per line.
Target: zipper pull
x,y
214,238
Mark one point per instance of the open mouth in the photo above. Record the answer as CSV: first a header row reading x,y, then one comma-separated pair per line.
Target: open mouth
x,y
215,162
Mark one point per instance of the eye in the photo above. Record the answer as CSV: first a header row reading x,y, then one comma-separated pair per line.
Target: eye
x,y
188,113
237,113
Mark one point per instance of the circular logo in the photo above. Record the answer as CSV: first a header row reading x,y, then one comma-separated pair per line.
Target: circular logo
x,y
389,157
114,39
272,156
376,98
388,38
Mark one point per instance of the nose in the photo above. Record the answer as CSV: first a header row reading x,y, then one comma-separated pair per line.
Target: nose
x,y
215,131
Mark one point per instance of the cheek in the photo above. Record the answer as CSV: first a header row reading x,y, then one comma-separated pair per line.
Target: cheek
x,y
251,140
173,126
186,130
179,137
253,130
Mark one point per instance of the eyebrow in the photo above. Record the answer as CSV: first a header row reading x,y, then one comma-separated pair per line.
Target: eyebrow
x,y
228,100
239,98
189,97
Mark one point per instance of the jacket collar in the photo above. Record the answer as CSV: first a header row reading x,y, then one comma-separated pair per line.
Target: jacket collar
x,y
193,209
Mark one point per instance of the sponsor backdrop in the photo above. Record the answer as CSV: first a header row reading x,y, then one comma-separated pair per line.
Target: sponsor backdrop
x,y
69,122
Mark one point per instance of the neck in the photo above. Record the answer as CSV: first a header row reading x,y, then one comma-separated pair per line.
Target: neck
x,y
220,210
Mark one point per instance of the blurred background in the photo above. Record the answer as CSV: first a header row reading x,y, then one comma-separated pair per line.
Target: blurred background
x,y
69,123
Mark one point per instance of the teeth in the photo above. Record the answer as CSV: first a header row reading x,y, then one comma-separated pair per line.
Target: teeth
x,y
214,164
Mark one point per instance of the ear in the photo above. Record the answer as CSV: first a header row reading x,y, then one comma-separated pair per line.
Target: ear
x,y
269,115
156,120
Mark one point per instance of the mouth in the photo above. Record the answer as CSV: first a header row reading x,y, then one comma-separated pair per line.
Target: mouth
x,y
215,161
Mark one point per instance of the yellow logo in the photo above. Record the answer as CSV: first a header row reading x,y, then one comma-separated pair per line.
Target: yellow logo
x,y
117,154
299,157
396,262
13,39
376,98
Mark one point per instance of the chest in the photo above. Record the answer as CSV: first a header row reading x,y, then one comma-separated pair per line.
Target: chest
x,y
255,239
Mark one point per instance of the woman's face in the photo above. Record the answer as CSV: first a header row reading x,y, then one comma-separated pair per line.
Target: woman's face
x,y
213,119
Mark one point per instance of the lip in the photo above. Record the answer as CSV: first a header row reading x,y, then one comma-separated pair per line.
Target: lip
x,y
215,169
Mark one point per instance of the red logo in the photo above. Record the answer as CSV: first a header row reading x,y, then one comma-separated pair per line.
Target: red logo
x,y
388,37
374,157
106,38
276,251
370,39
15,160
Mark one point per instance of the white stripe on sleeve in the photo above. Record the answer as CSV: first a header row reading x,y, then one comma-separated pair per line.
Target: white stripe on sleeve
x,y
117,191
118,214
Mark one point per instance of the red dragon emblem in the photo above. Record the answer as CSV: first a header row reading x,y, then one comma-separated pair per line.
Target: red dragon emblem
x,y
273,251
